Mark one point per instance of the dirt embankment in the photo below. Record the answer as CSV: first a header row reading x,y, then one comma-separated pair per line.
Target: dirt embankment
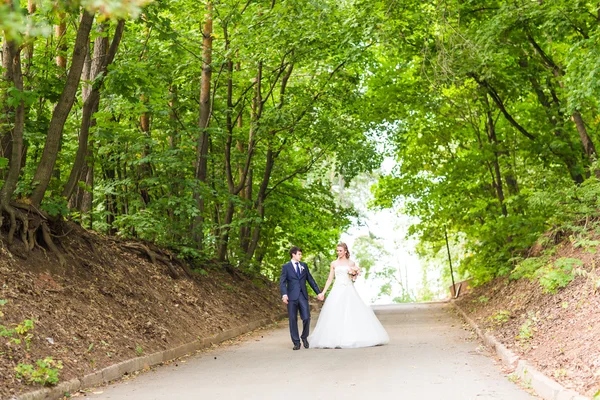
x,y
113,300
559,333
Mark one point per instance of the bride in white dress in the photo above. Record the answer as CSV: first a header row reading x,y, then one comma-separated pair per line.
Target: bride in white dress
x,y
345,320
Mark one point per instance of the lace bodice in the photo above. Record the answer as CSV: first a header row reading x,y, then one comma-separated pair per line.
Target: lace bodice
x,y
341,276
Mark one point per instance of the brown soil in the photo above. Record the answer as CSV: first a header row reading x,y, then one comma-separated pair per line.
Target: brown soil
x,y
559,333
111,303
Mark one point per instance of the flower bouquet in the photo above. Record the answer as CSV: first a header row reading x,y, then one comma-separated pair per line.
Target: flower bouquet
x,y
354,272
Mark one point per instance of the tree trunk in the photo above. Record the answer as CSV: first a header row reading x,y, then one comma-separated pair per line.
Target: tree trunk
x,y
569,157
76,199
61,112
491,130
110,199
7,66
145,169
245,229
224,238
270,163
203,120
60,31
103,57
576,117
260,200
586,141
13,74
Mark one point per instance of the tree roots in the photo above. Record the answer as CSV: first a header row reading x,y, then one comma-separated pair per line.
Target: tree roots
x,y
28,222
155,256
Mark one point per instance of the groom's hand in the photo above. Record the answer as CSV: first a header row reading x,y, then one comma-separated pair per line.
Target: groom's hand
x,y
285,298
321,296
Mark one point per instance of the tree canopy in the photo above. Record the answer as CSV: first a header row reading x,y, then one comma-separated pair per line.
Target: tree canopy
x,y
219,128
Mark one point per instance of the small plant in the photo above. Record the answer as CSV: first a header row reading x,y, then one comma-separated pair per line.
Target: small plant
x,y
500,317
528,267
2,303
139,350
483,299
560,373
526,331
559,274
44,372
24,329
20,333
229,287
528,328
5,332
587,244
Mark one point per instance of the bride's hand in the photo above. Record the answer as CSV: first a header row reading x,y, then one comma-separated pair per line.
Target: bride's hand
x,y
321,296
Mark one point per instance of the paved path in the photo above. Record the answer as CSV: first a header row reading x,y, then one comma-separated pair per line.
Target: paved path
x,y
430,356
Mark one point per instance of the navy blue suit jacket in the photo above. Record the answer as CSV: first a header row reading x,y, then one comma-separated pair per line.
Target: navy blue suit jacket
x,y
294,286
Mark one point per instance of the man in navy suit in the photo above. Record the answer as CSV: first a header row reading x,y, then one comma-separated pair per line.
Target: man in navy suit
x,y
292,283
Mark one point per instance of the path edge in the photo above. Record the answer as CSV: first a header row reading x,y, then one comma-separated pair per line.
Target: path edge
x,y
545,387
115,371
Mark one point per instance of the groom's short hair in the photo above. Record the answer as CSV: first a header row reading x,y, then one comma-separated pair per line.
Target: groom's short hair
x,y
294,250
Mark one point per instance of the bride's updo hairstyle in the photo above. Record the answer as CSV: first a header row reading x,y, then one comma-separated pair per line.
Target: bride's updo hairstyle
x,y
345,247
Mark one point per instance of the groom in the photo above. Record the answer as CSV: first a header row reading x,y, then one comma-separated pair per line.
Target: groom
x,y
292,283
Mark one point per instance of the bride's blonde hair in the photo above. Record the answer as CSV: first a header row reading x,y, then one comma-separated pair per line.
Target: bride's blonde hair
x,y
345,247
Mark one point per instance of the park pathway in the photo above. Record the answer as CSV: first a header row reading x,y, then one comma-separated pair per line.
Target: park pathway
x,y
430,356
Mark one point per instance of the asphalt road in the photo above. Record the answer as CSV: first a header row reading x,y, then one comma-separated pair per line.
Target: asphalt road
x,y
430,356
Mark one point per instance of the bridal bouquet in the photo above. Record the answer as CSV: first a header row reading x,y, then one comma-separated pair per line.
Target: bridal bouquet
x,y
353,272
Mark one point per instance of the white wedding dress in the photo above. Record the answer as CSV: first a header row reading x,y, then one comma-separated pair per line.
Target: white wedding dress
x,y
345,320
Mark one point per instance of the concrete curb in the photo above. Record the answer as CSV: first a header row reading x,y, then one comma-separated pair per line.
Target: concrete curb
x,y
115,371
543,386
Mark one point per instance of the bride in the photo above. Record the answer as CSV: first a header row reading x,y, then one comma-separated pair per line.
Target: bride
x,y
345,320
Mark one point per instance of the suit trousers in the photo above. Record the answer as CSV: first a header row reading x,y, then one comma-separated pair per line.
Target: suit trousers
x,y
293,306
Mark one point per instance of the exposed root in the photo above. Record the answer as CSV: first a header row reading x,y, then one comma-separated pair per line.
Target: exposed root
x,y
31,242
27,221
24,230
141,249
6,208
50,243
155,256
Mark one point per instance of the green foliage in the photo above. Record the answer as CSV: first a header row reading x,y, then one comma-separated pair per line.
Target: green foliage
x,y
500,317
526,330
587,244
44,372
487,111
24,327
368,251
484,151
140,180
139,350
559,274
56,207
6,332
22,332
529,267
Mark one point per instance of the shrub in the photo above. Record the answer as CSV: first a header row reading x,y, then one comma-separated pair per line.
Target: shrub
x,y
44,372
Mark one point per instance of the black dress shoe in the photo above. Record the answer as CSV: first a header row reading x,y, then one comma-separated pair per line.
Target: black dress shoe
x,y
305,343
297,346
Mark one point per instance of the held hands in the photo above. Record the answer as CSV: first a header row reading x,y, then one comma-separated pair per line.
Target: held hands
x,y
320,296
